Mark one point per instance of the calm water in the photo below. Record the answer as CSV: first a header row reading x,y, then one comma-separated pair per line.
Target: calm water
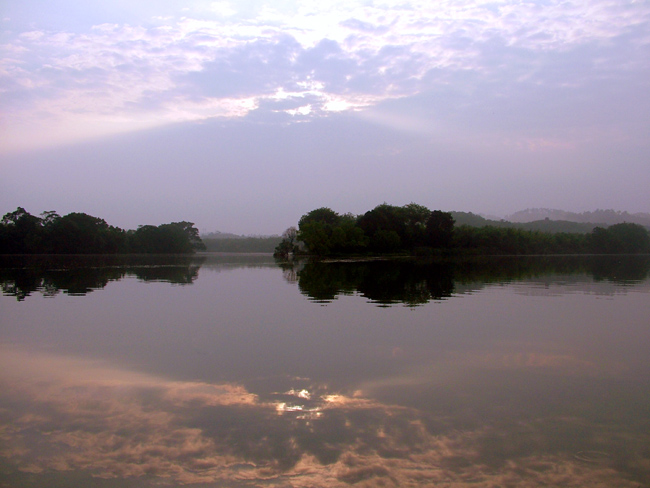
x,y
233,371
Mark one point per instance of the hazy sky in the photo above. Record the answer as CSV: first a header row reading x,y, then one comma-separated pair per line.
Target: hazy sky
x,y
241,116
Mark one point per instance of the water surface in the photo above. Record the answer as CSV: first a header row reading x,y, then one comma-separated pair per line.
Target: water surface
x,y
234,371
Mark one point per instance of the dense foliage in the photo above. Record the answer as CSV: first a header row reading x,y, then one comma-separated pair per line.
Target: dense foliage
x,y
79,233
414,229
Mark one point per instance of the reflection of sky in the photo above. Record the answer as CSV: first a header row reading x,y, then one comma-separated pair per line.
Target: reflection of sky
x,y
62,414
558,286
238,377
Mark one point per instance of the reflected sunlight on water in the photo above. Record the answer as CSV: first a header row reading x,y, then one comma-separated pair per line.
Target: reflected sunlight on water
x,y
239,379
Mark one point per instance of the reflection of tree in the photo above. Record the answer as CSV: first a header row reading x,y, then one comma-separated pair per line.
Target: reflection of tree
x,y
622,268
415,282
20,283
290,270
181,275
324,281
80,275
79,281
383,282
409,283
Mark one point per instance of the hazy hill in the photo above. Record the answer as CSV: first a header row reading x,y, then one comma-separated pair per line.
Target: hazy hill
x,y
236,243
598,217
544,225
554,226
221,235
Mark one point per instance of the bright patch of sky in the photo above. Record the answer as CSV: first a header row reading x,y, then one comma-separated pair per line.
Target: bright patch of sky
x,y
155,63
526,75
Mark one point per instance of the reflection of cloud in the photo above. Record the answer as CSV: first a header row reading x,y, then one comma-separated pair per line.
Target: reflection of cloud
x,y
71,415
455,368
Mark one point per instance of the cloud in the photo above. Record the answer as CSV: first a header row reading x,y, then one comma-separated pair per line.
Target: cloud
x,y
122,77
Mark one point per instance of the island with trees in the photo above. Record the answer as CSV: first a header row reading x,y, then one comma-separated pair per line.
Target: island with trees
x,y
80,233
414,229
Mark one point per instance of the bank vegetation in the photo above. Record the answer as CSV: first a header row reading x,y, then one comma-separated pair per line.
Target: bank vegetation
x,y
414,229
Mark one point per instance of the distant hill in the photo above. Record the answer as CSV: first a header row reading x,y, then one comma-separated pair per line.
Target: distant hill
x,y
543,225
474,220
221,235
598,217
554,226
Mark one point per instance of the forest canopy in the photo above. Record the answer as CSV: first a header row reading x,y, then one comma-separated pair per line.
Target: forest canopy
x,y
414,229
80,233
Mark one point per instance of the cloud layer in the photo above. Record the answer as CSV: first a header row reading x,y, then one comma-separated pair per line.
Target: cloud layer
x,y
487,107
306,59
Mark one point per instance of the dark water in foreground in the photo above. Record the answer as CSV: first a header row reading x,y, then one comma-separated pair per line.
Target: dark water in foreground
x,y
233,371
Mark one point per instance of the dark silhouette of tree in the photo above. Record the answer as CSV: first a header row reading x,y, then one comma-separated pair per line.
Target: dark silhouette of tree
x,y
316,228
414,229
324,232
440,229
385,227
289,243
174,238
20,232
80,233
323,215
622,238
415,219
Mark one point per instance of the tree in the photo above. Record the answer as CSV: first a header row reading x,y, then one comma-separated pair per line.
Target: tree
x,y
315,229
384,226
20,232
316,236
600,241
347,237
191,234
49,217
386,241
324,215
625,238
440,229
80,233
630,238
288,245
145,240
173,238
415,218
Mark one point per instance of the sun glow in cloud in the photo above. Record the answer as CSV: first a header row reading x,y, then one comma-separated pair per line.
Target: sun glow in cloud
x,y
227,59
482,100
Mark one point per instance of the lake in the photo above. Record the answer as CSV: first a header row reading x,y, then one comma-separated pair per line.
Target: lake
x,y
235,371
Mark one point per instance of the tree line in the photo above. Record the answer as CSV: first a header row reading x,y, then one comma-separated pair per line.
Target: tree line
x,y
414,229
80,233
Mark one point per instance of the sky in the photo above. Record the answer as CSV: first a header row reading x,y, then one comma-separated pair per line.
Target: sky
x,y
242,116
